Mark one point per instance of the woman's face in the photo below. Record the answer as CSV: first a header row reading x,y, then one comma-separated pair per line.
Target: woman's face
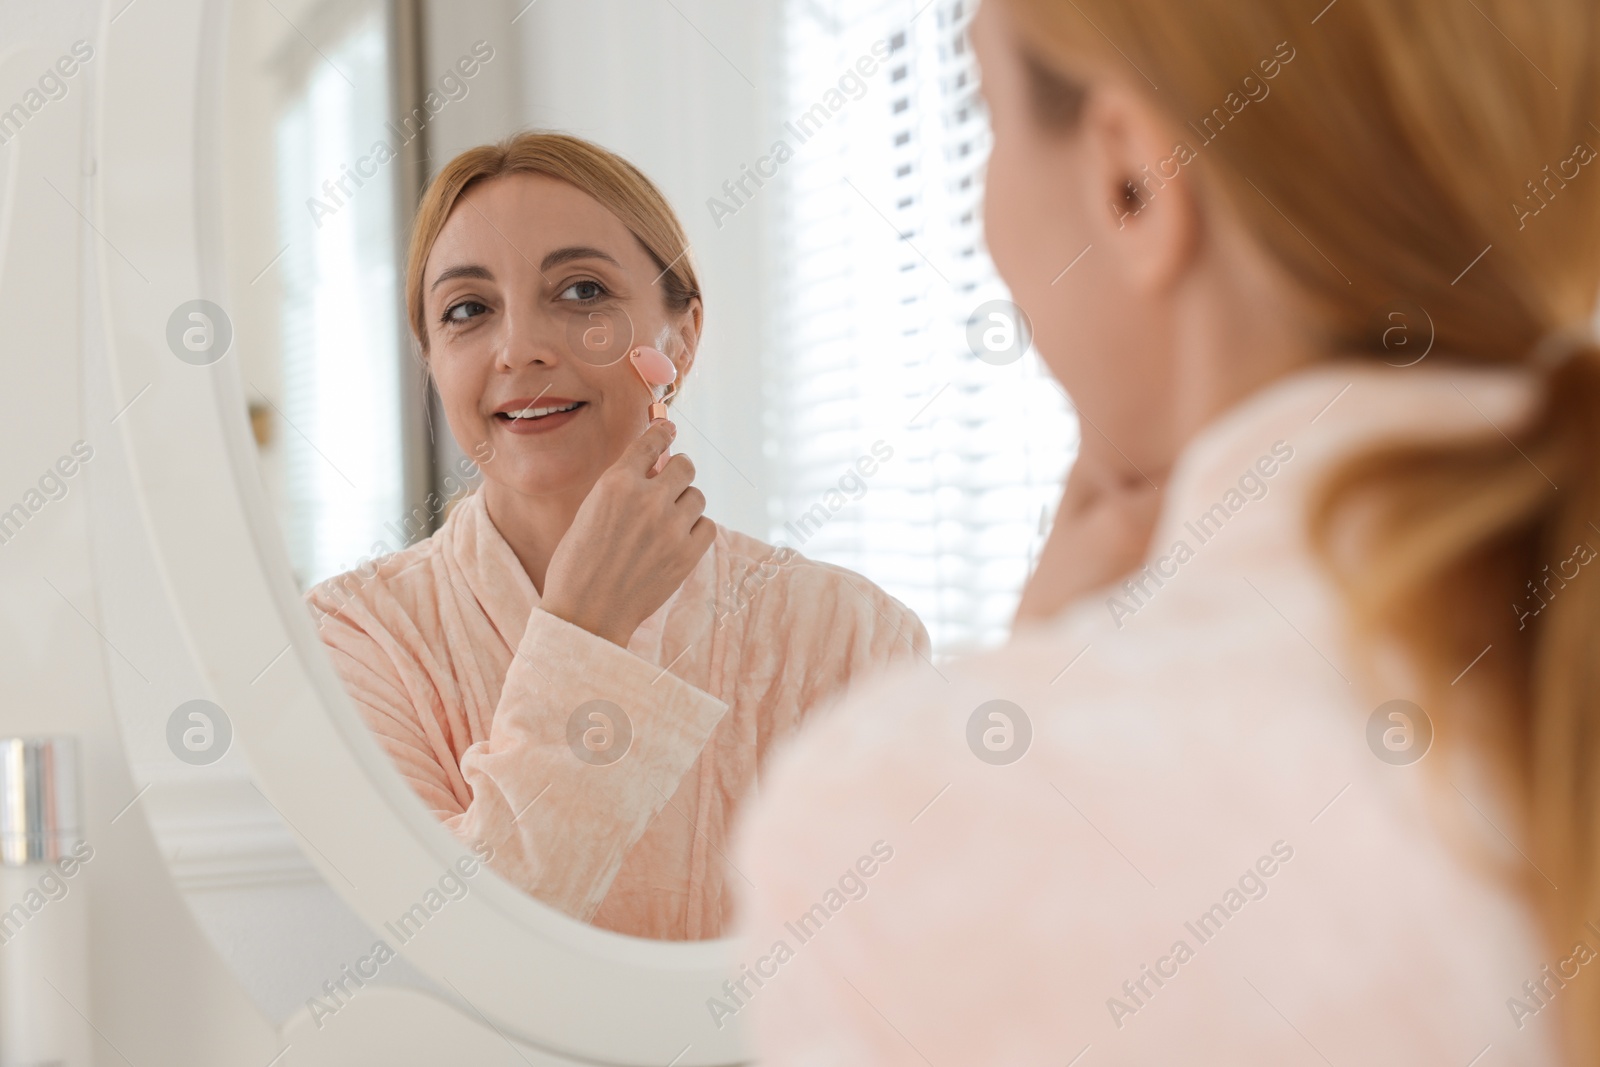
x,y
533,294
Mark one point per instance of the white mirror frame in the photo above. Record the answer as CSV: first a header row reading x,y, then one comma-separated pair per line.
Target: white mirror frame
x,y
531,972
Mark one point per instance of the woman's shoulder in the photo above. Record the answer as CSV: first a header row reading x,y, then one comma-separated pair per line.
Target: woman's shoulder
x,y
809,585
781,592
387,577
1192,763
400,577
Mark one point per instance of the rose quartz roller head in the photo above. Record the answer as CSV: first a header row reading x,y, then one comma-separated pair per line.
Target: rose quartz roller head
x,y
654,369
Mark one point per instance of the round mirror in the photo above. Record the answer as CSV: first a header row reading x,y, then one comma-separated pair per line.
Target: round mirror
x,y
185,379
848,378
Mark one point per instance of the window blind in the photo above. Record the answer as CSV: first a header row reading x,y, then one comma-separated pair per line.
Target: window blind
x,y
898,452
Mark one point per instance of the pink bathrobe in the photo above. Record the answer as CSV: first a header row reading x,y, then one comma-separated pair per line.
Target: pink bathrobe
x,y
1210,851
475,693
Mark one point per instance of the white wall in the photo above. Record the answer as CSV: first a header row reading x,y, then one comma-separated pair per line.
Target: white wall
x,y
159,994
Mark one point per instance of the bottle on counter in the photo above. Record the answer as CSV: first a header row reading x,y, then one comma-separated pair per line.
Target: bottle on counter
x,y
44,908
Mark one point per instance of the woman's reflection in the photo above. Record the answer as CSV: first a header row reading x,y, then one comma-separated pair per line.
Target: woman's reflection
x,y
579,669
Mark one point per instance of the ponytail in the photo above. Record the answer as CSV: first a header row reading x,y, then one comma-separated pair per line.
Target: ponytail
x,y
1492,544
1407,153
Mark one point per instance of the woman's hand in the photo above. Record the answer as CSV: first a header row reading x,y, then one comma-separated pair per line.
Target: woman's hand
x,y
1102,530
635,538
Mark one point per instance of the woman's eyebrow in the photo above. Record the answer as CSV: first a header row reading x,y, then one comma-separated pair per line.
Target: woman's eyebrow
x,y
468,270
563,255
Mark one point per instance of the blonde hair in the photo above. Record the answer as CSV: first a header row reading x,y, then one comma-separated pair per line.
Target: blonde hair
x,y
618,185
1421,155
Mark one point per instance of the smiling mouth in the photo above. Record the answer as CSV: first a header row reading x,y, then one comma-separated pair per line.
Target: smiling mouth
x,y
533,414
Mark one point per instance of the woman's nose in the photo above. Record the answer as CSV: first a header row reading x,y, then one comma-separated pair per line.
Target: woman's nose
x,y
530,338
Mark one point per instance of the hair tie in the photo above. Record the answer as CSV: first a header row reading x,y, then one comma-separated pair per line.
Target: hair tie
x,y
1557,347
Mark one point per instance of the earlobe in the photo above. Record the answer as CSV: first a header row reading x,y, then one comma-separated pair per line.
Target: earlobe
x,y
1155,229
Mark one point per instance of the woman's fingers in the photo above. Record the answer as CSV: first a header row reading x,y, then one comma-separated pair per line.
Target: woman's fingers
x,y
701,534
691,504
641,456
676,476
636,537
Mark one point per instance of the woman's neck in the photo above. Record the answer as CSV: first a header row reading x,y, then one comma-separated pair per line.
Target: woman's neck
x,y
532,525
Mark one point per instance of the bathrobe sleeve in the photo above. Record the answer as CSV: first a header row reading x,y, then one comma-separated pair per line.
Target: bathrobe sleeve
x,y
546,790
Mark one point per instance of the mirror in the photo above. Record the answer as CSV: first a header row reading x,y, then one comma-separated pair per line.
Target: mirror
x,y
860,394
845,362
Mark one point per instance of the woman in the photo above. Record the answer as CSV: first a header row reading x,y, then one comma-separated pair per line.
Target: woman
x,y
1302,773
580,672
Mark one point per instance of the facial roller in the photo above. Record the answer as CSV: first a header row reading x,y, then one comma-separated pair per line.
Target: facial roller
x,y
654,368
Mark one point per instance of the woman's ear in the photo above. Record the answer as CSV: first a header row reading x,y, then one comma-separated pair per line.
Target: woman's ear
x,y
1147,213
689,323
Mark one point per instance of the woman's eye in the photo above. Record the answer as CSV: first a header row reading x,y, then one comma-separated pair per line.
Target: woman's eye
x,y
585,292
467,309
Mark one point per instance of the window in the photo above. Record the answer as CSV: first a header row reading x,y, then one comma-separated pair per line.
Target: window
x,y
899,453
341,354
